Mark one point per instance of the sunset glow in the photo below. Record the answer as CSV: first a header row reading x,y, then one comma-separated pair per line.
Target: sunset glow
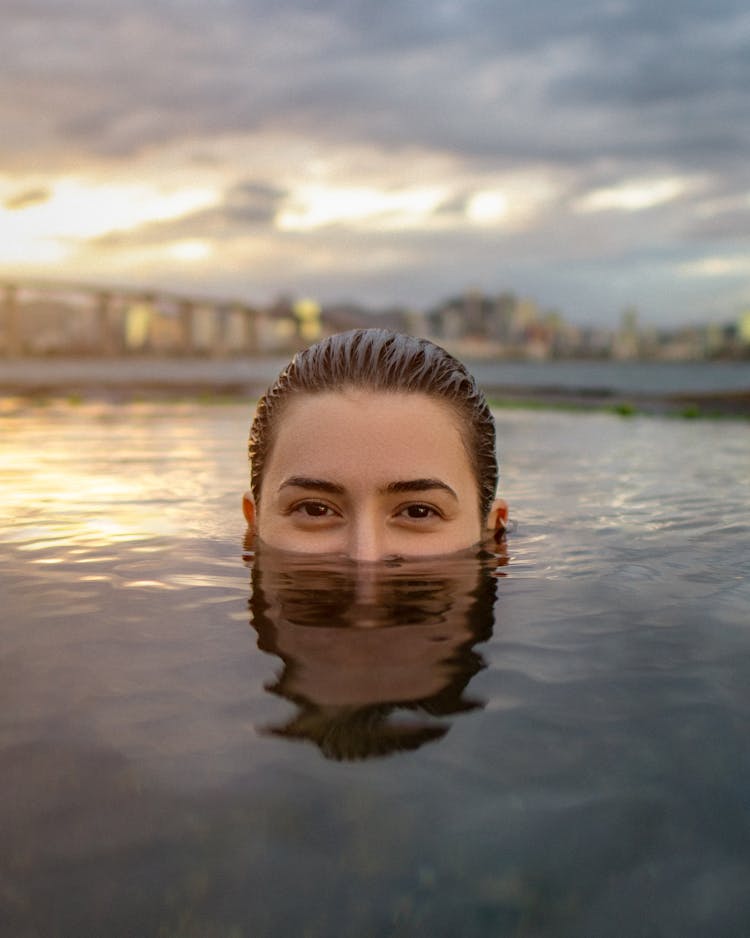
x,y
190,250
577,156
486,208
632,195
313,207
74,211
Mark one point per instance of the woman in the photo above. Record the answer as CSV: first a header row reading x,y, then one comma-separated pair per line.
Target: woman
x,y
373,445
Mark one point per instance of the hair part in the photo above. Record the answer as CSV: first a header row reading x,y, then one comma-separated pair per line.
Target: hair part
x,y
389,362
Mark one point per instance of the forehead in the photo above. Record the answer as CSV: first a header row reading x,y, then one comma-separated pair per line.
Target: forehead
x,y
392,435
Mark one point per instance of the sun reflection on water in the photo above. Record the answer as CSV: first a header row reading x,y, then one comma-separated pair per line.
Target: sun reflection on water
x,y
79,479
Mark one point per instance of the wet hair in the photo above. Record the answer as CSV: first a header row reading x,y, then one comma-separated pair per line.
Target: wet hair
x,y
382,361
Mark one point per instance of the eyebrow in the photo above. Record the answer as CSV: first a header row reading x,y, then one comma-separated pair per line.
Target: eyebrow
x,y
417,485
319,485
393,488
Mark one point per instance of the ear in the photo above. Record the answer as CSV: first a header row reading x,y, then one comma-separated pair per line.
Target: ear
x,y
248,509
497,520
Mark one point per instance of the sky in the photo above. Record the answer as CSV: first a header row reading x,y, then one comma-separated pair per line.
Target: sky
x,y
591,155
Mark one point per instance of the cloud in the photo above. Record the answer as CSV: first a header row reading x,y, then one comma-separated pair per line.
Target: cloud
x,y
26,198
247,206
587,148
513,81
253,202
632,195
720,266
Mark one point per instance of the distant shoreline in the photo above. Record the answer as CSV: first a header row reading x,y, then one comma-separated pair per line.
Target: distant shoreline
x,y
700,405
214,380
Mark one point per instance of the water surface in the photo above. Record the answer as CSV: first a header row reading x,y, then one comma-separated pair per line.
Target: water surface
x,y
199,740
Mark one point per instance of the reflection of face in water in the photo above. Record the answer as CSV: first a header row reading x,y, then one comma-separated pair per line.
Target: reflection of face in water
x,y
374,655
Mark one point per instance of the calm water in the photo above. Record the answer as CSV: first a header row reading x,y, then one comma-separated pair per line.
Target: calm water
x,y
625,377
199,740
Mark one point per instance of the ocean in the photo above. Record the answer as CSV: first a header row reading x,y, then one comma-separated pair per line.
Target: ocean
x,y
593,380
547,739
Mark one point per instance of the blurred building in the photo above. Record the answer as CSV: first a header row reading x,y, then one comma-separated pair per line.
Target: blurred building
x,y
50,319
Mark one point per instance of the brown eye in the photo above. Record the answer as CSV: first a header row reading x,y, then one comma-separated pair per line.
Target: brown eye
x,y
419,512
314,509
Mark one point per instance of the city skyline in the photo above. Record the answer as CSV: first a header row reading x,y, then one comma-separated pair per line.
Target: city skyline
x,y
591,156
69,319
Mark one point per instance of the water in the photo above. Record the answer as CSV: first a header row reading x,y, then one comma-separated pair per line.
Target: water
x,y
618,377
625,377
195,740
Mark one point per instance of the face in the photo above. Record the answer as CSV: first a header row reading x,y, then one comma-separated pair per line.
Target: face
x,y
368,475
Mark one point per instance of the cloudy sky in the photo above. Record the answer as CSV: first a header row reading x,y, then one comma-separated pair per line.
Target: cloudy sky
x,y
591,155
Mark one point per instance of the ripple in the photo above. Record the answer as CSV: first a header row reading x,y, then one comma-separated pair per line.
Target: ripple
x,y
577,717
147,584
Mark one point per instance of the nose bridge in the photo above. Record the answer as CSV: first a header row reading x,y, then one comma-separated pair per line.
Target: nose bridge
x,y
365,536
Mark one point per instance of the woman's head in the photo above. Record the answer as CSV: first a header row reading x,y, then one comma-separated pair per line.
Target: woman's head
x,y
373,396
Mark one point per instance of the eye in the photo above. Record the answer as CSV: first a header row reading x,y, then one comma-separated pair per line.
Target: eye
x,y
419,512
313,509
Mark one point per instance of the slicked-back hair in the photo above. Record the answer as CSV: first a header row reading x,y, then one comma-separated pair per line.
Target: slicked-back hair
x,y
388,362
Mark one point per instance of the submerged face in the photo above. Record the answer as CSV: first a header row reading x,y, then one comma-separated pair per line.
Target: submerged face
x,y
368,475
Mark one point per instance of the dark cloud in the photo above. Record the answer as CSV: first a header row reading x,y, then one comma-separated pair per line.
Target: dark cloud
x,y
253,202
515,80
